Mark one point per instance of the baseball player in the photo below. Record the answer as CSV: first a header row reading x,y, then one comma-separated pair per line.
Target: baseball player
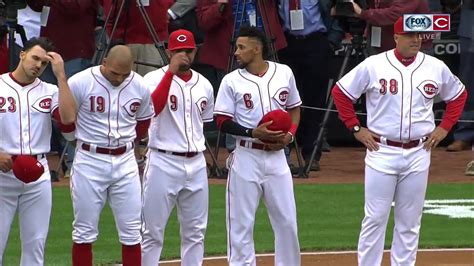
x,y
257,169
114,110
175,174
400,86
25,128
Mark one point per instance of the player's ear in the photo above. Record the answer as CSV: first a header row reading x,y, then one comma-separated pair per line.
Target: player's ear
x,y
395,38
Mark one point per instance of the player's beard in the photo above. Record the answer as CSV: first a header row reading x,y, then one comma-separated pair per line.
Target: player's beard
x,y
184,68
243,65
32,74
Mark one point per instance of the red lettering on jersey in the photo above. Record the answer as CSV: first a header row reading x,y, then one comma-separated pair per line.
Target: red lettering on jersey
x,y
383,86
173,102
134,107
393,86
11,108
97,104
430,89
203,105
283,96
247,100
43,104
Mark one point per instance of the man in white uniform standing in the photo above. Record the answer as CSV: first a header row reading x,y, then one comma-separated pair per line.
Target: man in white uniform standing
x,y
258,169
114,111
176,174
25,129
400,86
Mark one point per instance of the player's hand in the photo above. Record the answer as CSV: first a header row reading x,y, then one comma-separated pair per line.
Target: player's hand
x,y
281,143
57,64
263,133
365,137
177,60
435,138
222,1
6,162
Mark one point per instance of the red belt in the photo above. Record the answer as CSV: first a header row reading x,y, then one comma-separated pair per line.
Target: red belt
x,y
253,145
183,154
404,145
102,150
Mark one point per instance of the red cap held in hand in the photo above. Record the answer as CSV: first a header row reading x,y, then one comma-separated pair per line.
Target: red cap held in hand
x,y
27,169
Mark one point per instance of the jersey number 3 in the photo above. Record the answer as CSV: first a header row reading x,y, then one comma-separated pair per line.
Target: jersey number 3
x,y
11,101
393,86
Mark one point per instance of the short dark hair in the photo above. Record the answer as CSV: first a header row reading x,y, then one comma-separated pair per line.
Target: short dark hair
x,y
42,42
255,33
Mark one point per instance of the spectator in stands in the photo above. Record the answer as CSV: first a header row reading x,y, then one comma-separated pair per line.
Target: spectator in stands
x,y
310,45
381,15
464,133
133,31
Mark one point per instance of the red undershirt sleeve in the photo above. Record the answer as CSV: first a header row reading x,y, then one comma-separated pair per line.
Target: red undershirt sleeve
x,y
160,94
141,128
453,111
345,107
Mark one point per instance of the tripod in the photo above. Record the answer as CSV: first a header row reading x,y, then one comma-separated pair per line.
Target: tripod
x,y
125,4
11,26
357,46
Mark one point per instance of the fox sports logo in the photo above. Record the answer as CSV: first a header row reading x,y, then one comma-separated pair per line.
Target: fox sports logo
x,y
418,22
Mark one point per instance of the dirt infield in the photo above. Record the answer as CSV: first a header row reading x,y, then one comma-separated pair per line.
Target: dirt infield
x,y
346,165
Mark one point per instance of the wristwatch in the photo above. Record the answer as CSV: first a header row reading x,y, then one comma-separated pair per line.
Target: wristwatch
x,y
355,129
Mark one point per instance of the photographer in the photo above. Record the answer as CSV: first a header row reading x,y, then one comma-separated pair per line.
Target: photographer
x,y
381,15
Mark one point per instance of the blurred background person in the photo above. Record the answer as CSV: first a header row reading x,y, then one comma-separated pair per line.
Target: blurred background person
x,y
310,47
133,31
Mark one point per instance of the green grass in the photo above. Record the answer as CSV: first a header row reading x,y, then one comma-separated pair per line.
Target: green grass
x,y
329,218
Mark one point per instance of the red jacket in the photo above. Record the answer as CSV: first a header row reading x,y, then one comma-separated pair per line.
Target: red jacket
x,y
131,27
387,12
70,27
218,28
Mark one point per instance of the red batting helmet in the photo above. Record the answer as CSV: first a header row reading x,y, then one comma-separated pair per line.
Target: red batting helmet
x,y
26,168
281,120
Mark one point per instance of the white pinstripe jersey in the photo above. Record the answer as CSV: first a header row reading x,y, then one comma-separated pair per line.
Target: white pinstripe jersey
x,y
247,98
107,115
179,127
25,116
400,98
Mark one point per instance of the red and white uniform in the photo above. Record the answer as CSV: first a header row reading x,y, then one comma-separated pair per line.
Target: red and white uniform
x,y
246,98
176,174
25,128
399,102
106,120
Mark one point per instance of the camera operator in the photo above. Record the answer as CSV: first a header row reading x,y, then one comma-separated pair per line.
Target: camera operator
x,y
380,17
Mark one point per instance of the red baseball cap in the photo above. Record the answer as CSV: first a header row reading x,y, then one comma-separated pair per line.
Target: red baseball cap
x,y
181,39
398,26
27,169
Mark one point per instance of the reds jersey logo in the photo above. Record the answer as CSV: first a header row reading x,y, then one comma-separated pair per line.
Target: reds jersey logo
x,y
428,88
202,104
281,96
43,104
132,107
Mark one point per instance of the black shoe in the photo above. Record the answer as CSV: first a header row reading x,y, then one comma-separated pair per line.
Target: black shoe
x,y
314,166
54,176
295,170
325,146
